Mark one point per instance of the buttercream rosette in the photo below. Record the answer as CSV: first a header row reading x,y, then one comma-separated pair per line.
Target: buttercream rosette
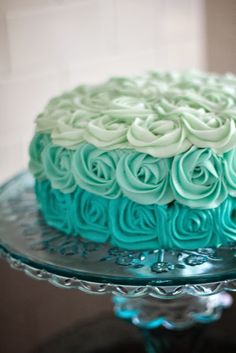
x,y
143,162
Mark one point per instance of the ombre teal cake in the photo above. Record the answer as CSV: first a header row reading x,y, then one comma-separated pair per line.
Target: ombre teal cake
x,y
141,162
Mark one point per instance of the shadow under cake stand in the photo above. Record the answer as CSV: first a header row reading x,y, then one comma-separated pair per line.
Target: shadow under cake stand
x,y
173,289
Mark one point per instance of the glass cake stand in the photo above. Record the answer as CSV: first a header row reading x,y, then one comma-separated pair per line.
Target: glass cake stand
x,y
173,289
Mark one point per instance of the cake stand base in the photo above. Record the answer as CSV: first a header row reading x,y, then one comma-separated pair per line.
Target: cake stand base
x,y
175,314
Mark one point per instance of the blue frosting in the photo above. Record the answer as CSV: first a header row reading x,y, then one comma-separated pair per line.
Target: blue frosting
x,y
134,226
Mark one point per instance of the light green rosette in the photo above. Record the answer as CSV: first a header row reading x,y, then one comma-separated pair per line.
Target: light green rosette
x,y
145,179
36,148
95,170
229,162
197,178
57,166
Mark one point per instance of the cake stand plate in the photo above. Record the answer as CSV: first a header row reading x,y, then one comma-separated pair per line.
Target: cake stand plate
x,y
142,282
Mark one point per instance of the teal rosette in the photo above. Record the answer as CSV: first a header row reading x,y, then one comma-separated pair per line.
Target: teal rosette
x,y
37,145
134,226
198,178
57,167
90,216
229,162
145,179
55,206
189,228
95,170
225,220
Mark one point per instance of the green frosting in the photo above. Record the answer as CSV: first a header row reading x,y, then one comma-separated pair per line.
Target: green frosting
x,y
95,170
198,178
37,145
145,179
229,161
57,166
161,114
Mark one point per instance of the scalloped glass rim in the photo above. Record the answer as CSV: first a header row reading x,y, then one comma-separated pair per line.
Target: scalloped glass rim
x,y
25,236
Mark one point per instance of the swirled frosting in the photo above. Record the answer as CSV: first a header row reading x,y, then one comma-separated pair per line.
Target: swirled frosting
x,y
198,178
161,114
94,170
226,220
133,226
145,179
55,206
57,167
90,217
190,228
37,145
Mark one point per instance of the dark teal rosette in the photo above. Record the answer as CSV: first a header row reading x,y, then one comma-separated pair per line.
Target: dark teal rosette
x,y
225,220
189,228
135,226
90,216
55,206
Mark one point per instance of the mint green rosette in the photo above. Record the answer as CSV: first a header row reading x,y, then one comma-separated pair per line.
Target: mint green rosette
x,y
55,206
37,145
134,226
214,130
95,170
198,178
225,218
90,216
189,228
145,179
158,137
229,162
57,166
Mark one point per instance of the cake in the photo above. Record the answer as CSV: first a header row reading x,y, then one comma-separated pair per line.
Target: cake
x,y
144,162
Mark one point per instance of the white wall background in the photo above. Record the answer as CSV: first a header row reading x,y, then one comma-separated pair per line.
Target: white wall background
x,y
47,46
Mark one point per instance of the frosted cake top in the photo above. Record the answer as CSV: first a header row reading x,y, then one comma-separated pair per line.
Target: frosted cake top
x,y
161,114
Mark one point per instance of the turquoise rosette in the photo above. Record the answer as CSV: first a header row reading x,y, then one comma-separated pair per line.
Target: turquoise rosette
x,y
189,228
197,178
57,166
37,145
225,218
145,179
229,162
55,206
134,226
90,216
95,170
